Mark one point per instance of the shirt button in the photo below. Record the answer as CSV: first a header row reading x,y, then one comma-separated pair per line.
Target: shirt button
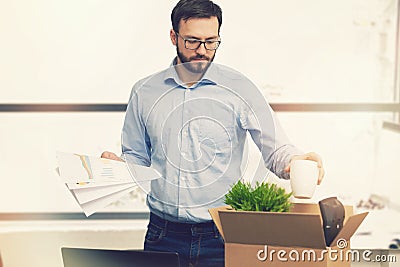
x,y
187,90
183,178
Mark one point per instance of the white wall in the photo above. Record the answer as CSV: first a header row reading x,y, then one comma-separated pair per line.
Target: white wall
x,y
93,51
80,51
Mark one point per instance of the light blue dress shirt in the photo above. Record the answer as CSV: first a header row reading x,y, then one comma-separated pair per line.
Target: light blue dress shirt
x,y
195,137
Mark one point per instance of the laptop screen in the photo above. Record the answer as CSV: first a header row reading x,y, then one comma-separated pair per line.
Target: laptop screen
x,y
82,257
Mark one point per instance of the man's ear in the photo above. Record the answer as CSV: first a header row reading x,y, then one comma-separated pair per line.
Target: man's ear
x,y
173,36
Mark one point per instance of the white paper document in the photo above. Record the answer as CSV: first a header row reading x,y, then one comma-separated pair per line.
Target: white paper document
x,y
93,206
84,195
75,168
97,182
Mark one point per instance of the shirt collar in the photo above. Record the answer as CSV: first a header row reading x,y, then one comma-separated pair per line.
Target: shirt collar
x,y
208,78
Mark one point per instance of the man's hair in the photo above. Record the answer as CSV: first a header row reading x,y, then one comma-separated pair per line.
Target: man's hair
x,y
186,9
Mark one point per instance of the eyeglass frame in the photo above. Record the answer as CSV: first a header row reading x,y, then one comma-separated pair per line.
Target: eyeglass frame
x,y
199,42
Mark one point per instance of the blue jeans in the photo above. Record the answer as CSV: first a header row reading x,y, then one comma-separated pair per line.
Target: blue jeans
x,y
198,245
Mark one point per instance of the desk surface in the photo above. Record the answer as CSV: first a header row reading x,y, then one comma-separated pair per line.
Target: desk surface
x,y
72,225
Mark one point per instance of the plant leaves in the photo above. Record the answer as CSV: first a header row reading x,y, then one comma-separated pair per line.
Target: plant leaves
x,y
263,197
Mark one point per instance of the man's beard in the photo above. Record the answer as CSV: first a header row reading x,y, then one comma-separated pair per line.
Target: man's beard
x,y
195,67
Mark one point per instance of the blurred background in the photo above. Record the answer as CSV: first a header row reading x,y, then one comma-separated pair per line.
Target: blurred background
x,y
330,70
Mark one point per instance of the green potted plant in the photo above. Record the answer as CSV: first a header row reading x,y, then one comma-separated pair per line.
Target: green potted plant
x,y
263,197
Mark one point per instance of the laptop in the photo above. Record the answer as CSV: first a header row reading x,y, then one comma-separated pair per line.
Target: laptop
x,y
85,257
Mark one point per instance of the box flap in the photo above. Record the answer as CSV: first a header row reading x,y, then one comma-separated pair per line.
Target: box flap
x,y
214,212
270,228
350,227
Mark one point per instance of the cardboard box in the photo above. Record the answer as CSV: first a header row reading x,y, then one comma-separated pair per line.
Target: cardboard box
x,y
294,238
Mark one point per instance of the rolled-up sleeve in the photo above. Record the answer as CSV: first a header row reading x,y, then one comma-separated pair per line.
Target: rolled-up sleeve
x,y
268,135
136,146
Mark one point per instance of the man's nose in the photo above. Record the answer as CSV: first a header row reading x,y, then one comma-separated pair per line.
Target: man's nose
x,y
201,50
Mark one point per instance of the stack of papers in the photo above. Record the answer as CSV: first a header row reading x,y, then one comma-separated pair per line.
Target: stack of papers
x,y
97,182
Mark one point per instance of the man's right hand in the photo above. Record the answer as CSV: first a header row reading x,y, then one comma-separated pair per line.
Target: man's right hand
x,y
110,155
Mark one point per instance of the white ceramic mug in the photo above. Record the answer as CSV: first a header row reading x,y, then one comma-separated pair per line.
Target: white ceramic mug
x,y
303,178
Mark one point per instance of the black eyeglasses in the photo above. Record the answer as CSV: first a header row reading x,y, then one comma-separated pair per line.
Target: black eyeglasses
x,y
194,44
